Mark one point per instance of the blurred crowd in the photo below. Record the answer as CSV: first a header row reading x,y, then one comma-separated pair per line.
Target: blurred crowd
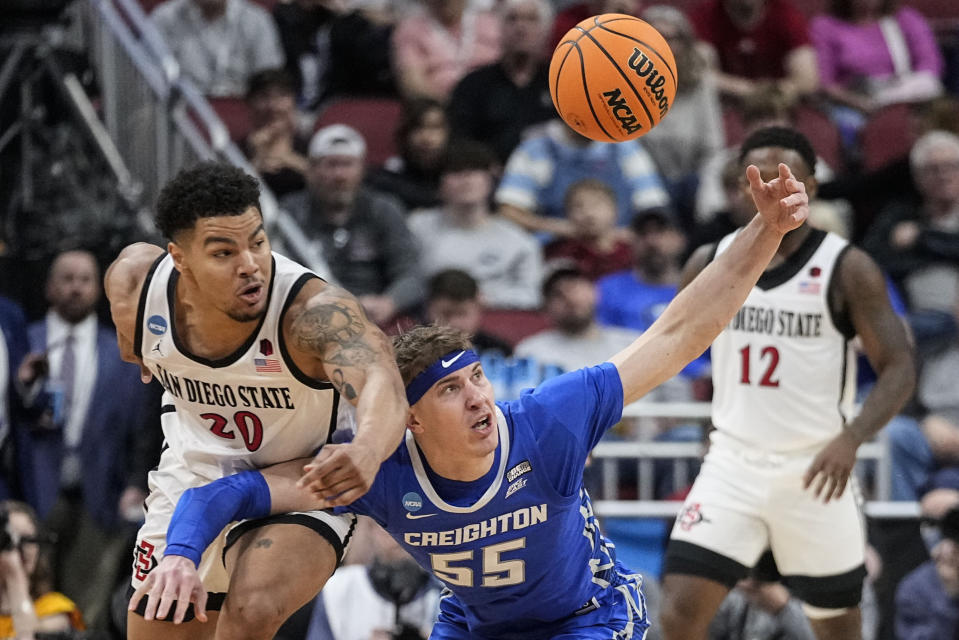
x,y
415,144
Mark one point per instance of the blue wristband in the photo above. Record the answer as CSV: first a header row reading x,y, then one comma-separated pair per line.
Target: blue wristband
x,y
203,512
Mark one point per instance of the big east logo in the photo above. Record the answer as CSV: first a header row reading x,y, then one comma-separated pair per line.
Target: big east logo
x,y
644,68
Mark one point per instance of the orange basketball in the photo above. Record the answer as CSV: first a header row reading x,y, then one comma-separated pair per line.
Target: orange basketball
x,y
612,77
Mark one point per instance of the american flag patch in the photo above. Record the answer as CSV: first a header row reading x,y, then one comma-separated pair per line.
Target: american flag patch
x,y
267,365
810,287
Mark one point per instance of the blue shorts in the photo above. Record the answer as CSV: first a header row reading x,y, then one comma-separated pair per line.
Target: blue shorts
x,y
618,613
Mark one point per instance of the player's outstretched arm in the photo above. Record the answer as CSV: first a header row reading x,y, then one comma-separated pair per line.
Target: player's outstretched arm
x,y
329,325
700,311
862,297
122,283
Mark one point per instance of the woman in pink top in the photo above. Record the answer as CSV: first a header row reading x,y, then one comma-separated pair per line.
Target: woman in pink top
x,y
439,42
872,54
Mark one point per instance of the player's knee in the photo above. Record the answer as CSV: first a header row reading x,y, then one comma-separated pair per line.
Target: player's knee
x,y
252,614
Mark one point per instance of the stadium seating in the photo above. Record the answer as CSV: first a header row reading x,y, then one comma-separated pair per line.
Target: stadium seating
x,y
888,135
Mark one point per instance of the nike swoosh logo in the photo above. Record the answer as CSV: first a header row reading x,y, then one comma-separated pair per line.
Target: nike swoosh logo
x,y
448,363
425,515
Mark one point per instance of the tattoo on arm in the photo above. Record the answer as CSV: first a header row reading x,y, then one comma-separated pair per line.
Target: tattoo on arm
x,y
265,543
334,332
339,381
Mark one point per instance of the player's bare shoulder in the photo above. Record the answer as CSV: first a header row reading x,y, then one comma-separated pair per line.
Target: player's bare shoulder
x,y
327,330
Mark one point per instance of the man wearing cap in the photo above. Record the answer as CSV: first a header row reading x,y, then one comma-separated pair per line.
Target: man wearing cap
x,y
488,495
362,234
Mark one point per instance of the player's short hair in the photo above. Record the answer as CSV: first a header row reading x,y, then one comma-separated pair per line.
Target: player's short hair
x,y
453,284
589,184
783,137
207,190
421,346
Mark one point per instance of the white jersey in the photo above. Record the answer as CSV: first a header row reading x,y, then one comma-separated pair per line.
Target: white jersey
x,y
783,371
250,409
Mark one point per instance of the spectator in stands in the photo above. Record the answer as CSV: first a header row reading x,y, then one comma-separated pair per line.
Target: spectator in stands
x,y
579,11
439,42
917,242
219,43
389,597
872,54
758,43
596,246
304,29
634,298
464,233
497,103
76,467
693,132
542,168
361,50
361,233
277,145
576,339
453,300
927,599
29,603
421,138
760,608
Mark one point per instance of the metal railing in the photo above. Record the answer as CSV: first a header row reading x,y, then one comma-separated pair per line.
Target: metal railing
x,y
609,456
158,120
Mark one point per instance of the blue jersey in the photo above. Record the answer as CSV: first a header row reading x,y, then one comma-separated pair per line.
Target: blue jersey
x,y
520,548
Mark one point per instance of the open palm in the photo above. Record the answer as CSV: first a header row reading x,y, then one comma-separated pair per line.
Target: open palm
x,y
782,202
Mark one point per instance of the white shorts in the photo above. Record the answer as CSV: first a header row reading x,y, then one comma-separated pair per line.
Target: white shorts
x,y
744,502
167,483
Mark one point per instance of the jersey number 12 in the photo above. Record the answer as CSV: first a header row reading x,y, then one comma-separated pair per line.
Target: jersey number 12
x,y
769,356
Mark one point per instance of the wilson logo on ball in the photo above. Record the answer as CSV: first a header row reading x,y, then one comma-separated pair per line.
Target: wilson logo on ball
x,y
621,111
644,68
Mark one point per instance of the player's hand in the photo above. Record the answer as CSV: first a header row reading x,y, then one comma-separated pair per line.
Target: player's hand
x,y
340,473
782,202
175,578
831,468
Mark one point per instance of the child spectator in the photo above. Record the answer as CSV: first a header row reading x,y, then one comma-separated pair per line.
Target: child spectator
x,y
595,246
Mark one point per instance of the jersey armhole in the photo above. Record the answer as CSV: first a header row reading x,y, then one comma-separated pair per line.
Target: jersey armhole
x,y
142,305
840,319
284,353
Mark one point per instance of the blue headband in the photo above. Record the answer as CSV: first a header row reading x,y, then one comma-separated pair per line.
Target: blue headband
x,y
452,361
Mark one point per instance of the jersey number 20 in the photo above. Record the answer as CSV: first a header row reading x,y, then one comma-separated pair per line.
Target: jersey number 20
x,y
248,424
496,571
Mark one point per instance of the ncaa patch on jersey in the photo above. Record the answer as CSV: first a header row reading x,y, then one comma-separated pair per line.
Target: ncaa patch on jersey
x,y
412,502
157,325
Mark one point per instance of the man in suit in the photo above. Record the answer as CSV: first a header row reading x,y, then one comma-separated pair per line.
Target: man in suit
x,y
13,347
75,462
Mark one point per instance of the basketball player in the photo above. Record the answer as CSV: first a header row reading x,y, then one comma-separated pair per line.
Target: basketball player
x,y
488,496
785,441
254,353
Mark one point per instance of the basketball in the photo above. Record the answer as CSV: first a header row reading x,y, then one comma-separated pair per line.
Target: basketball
x,y
612,77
